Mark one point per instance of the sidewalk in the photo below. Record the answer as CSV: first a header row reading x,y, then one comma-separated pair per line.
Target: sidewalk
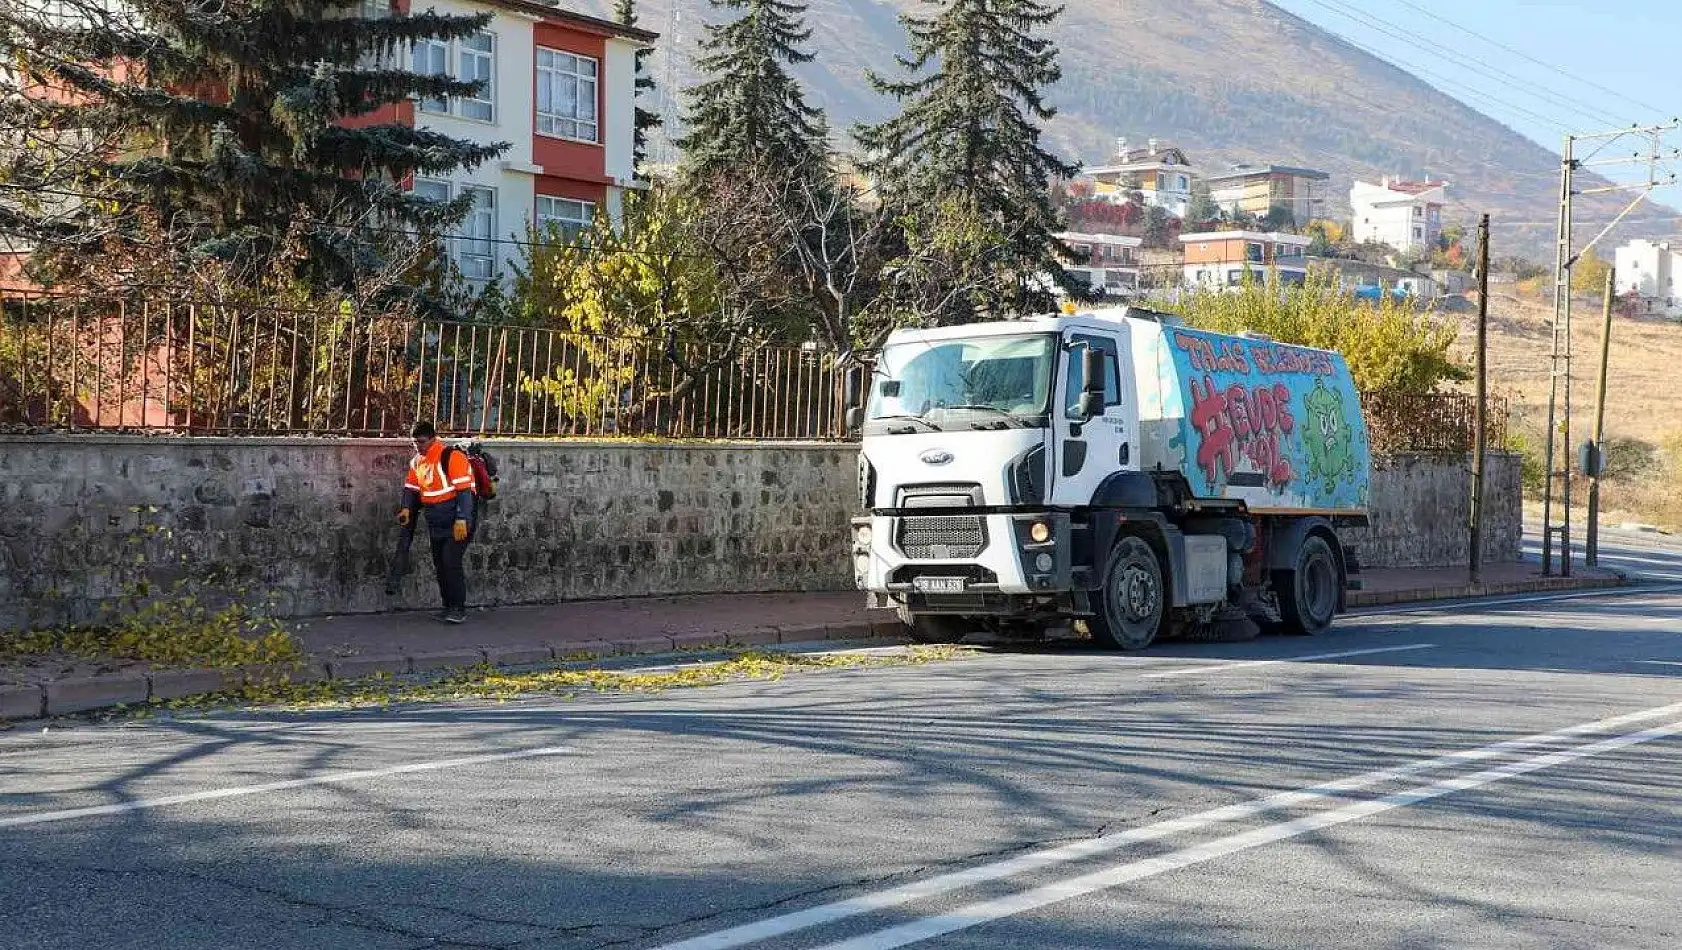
x,y
349,647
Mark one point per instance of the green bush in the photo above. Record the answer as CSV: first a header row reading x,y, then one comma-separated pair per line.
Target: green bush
x,y
1388,345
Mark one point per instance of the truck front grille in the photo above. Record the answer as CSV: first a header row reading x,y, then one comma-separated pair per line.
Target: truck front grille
x,y
940,537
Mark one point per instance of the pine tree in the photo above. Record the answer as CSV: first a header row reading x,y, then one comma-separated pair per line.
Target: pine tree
x,y
967,131
752,113
647,120
234,126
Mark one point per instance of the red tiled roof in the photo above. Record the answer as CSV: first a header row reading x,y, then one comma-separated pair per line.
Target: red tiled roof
x,y
1415,187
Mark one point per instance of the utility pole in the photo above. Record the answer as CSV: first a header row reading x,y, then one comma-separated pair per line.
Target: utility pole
x,y
1559,422
1597,448
1479,439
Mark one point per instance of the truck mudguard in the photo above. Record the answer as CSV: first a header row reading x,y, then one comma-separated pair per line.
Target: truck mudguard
x,y
1288,537
1126,490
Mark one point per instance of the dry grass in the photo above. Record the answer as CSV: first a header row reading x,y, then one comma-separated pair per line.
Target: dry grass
x,y
1643,386
1643,408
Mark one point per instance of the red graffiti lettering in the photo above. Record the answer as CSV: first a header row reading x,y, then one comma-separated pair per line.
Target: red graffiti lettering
x,y
1240,422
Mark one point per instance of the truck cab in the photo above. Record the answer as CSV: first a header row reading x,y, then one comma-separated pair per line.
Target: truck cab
x,y
1109,470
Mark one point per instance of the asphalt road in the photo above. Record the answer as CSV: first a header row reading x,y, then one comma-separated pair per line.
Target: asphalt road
x,y
1504,775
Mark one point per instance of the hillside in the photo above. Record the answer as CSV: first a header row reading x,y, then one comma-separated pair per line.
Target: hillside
x,y
1229,80
1643,424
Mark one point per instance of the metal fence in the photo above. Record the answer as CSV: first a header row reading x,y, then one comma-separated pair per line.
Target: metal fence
x,y
199,367
1432,423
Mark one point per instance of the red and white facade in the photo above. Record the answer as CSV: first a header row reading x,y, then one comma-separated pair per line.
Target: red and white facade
x,y
561,90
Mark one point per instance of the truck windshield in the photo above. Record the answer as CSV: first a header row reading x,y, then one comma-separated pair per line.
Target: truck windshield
x,y
1010,374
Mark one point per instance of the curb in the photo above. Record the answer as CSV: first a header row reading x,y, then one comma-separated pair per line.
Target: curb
x,y
1422,595
92,693
87,694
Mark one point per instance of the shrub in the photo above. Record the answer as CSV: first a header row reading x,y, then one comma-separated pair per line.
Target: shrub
x,y
1388,345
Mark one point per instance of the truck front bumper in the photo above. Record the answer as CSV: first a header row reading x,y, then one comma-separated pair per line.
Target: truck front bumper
x,y
964,563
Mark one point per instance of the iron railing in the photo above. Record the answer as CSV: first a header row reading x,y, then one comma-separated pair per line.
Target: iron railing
x,y
1431,423
198,367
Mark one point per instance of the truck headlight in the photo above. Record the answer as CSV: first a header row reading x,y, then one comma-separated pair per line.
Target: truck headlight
x,y
861,565
1039,532
1044,562
863,535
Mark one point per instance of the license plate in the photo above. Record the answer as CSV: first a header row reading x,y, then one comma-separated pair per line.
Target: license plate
x,y
938,585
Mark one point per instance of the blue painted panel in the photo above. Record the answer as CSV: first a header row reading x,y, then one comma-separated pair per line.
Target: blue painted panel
x,y
1279,425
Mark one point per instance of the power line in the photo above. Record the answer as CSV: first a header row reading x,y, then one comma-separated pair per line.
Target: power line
x,y
1506,78
1396,31
1527,57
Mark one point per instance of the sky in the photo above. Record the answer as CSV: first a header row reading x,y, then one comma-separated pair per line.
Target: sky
x,y
1620,57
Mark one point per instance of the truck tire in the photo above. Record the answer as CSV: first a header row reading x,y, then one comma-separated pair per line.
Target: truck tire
x,y
1308,594
934,628
1129,611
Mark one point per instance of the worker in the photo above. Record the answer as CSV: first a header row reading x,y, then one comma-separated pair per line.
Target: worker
x,y
442,488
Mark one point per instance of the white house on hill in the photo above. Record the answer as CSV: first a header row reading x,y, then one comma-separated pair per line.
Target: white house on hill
x,y
1407,215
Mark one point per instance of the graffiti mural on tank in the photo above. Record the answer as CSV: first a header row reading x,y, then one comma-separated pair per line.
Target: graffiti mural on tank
x,y
1276,424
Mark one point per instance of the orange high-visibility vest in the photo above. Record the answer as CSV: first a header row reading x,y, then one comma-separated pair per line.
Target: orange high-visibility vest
x,y
429,480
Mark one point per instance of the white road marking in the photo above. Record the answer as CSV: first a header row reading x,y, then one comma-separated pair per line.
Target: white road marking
x,y
1080,850
1236,665
1661,662
331,778
1010,905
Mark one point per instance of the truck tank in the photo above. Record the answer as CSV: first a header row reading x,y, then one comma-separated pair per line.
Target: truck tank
x,y
1245,418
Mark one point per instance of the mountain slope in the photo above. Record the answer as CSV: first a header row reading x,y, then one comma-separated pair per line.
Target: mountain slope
x,y
1229,81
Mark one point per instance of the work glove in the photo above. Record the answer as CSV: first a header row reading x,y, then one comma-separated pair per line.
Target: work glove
x,y
459,531
403,517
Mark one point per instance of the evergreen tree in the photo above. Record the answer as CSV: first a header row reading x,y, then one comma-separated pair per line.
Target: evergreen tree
x,y
968,128
257,132
646,119
752,112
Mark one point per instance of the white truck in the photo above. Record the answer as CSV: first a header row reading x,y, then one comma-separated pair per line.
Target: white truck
x,y
1111,469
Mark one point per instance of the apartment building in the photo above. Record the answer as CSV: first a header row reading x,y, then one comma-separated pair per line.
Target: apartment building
x,y
1258,189
1160,173
1407,215
560,86
1226,259
1111,263
1649,274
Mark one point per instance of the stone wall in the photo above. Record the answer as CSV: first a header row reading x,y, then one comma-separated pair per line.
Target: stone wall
x,y
1422,504
309,521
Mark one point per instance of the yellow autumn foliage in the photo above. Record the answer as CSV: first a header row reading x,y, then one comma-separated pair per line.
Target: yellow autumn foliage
x,y
1388,344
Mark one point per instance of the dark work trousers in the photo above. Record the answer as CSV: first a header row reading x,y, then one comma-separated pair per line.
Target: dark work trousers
x,y
448,555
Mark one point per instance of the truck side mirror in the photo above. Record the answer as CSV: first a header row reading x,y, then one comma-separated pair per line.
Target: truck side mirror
x,y
852,398
852,387
1092,382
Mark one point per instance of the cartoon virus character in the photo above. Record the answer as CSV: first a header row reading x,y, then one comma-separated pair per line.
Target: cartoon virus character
x,y
1327,437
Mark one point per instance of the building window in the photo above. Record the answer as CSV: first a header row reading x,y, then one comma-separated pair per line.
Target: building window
x,y
432,58
376,9
474,247
571,216
1418,212
478,64
1418,234
1182,184
475,61
566,95
476,251
1253,252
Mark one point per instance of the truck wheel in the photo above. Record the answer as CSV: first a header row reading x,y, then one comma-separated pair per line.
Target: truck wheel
x,y
1308,594
934,628
1130,609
